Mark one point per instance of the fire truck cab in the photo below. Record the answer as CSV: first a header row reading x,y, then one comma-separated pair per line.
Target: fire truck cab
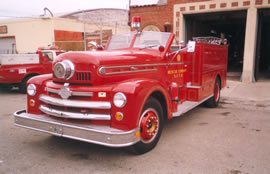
x,y
121,96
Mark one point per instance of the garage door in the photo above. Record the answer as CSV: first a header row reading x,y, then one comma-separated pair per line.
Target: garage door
x,y
7,45
231,24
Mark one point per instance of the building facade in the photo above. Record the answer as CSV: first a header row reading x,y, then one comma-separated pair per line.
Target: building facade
x,y
245,23
69,32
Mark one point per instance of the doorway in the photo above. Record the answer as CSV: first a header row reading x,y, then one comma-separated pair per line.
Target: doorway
x,y
262,68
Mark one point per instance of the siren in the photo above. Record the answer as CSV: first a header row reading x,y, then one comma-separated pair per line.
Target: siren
x,y
136,22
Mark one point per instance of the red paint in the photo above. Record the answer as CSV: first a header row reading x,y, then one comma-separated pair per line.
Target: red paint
x,y
170,77
150,120
10,73
136,19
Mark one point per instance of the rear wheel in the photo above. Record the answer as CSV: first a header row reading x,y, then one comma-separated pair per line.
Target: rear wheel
x,y
213,101
151,124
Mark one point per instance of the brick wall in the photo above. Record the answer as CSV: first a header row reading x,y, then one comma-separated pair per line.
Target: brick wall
x,y
158,15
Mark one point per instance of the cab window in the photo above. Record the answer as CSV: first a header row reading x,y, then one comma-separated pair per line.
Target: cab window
x,y
49,55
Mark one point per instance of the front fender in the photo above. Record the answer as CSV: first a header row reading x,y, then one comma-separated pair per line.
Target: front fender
x,y
137,92
39,81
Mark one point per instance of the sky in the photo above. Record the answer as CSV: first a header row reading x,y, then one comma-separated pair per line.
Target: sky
x,y
34,8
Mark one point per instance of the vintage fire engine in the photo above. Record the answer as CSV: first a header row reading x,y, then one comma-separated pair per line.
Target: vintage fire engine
x,y
122,95
17,69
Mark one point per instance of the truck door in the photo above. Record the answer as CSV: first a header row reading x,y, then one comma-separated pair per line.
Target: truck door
x,y
175,76
178,72
175,68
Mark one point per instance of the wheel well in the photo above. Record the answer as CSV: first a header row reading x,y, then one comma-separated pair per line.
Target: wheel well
x,y
159,96
29,76
218,77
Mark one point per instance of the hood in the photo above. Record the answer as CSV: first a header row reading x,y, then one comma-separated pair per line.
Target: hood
x,y
109,58
87,63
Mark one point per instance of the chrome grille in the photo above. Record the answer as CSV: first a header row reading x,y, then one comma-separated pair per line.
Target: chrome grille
x,y
84,76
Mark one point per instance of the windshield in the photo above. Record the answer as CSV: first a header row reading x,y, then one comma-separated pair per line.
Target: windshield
x,y
151,40
121,41
145,39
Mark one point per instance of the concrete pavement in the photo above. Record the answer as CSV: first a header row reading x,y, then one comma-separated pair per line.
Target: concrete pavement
x,y
255,94
259,91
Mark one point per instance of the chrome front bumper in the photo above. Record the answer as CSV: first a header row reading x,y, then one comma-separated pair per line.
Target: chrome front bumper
x,y
102,135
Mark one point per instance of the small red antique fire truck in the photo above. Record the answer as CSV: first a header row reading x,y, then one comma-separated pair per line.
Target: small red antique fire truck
x,y
17,69
121,96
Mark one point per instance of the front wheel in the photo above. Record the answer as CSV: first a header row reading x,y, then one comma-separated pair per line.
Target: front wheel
x,y
213,101
151,124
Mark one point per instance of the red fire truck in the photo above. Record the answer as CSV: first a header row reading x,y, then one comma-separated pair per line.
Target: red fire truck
x,y
121,96
17,69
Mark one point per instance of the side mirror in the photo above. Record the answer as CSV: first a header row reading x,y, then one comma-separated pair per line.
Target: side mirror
x,y
95,46
191,46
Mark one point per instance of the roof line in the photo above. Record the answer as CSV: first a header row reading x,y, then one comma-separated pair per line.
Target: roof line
x,y
96,9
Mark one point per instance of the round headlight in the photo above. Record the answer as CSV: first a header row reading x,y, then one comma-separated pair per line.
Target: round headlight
x,y
64,69
119,100
31,89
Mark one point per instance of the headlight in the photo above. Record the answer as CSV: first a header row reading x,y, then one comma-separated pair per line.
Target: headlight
x,y
31,89
119,100
64,69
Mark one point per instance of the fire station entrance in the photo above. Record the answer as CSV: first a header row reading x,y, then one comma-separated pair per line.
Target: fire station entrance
x,y
262,69
230,25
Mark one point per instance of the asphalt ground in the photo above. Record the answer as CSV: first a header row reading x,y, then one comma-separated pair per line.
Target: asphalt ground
x,y
231,139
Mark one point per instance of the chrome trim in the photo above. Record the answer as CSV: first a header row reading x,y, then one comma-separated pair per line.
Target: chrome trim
x,y
65,92
82,94
197,87
73,93
68,67
72,69
73,115
102,70
123,96
133,71
34,88
74,103
187,106
191,86
97,134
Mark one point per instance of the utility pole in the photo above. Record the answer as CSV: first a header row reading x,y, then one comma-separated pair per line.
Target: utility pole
x,y
84,33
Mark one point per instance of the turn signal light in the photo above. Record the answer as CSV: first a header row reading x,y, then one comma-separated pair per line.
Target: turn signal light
x,y
119,116
138,134
32,103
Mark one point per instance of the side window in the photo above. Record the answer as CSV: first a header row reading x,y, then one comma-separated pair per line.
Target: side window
x,y
49,55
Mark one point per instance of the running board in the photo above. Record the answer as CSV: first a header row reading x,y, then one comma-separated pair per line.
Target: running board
x,y
187,106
